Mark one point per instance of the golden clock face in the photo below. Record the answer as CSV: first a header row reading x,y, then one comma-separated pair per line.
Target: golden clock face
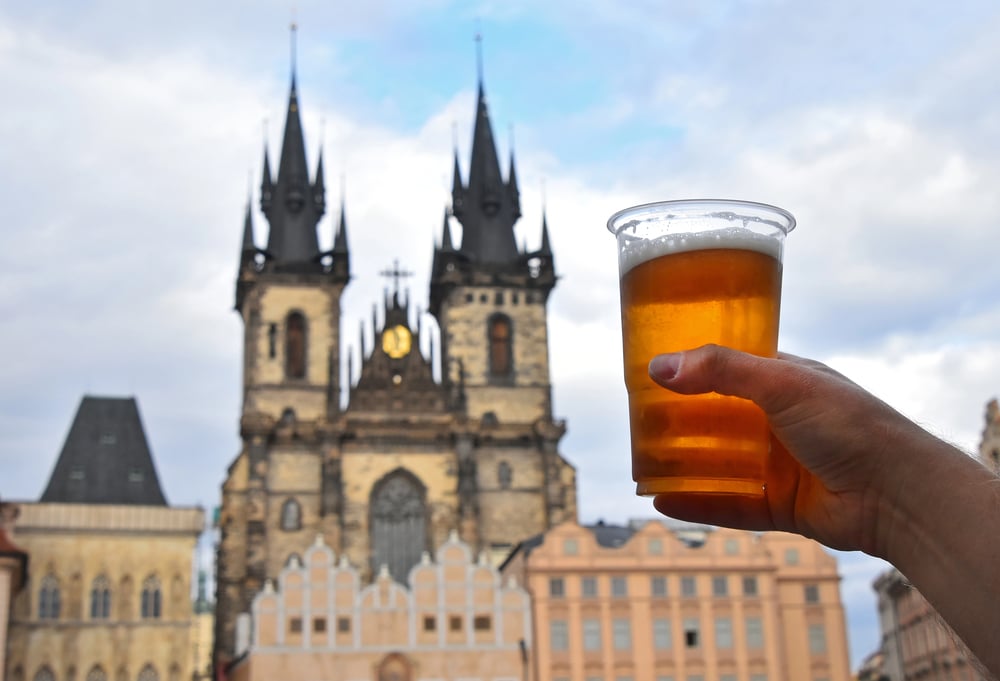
x,y
396,341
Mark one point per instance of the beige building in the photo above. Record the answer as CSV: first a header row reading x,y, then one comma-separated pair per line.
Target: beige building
x,y
431,432
13,572
916,643
109,597
651,603
454,619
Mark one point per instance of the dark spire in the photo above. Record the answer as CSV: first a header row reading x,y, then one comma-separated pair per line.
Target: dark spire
x,y
340,240
266,184
487,207
319,187
248,249
512,190
546,248
293,217
457,189
105,458
446,234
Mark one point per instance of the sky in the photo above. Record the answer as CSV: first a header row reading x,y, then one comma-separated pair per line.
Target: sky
x,y
132,136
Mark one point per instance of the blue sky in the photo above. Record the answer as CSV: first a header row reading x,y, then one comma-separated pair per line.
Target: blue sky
x,y
131,131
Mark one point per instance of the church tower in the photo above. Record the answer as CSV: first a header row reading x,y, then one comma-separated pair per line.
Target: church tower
x,y
288,296
411,459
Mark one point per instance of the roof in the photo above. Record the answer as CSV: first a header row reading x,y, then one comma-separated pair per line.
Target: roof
x,y
105,458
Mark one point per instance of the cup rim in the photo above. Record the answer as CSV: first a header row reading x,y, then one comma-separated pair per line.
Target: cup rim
x,y
786,224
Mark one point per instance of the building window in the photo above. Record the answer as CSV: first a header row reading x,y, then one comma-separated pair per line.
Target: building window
x,y
295,625
151,598
430,623
557,587
691,632
755,633
662,634
619,587
100,599
811,593
688,587
591,634
723,632
455,623
319,625
44,674
732,546
344,625
720,586
272,341
817,639
570,547
504,475
295,345
399,523
621,630
750,586
49,602
559,634
758,677
501,346
481,623
791,556
588,587
658,586
148,673
96,674
655,547
291,516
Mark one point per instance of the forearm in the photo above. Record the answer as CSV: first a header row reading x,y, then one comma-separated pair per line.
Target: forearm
x,y
940,526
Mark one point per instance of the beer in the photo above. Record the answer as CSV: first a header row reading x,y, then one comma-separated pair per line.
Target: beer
x,y
680,290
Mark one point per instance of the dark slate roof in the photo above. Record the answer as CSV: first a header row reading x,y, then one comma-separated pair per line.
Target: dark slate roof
x,y
610,536
105,459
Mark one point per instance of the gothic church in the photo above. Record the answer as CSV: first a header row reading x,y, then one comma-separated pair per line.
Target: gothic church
x,y
410,457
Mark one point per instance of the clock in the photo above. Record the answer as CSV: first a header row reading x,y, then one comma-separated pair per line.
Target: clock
x,y
396,341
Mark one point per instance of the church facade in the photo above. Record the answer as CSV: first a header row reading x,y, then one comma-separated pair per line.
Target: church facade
x,y
461,442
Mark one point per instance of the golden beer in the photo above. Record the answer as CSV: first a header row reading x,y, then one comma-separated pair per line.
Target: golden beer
x,y
681,291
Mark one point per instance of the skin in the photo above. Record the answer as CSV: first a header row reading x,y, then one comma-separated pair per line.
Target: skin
x,y
867,479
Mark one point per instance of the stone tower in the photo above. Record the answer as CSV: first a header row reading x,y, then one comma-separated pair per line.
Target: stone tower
x,y
411,457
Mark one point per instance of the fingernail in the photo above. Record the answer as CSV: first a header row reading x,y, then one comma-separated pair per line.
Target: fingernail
x,y
664,367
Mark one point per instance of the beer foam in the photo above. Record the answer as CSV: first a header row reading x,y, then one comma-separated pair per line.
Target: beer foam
x,y
635,251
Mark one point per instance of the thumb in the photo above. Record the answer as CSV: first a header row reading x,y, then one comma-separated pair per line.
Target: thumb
x,y
768,382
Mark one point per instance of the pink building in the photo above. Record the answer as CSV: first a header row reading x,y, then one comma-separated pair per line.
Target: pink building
x,y
654,603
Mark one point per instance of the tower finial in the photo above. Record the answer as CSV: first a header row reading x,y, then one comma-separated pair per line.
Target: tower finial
x,y
294,28
479,55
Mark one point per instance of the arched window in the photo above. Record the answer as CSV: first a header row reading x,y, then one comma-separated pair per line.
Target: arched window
x,y
96,674
151,601
148,673
504,475
49,601
501,346
44,674
291,516
100,599
295,345
399,523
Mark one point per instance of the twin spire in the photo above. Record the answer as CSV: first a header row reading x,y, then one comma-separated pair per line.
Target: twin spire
x,y
487,206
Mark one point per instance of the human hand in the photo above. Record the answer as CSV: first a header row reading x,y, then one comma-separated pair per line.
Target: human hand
x,y
852,450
